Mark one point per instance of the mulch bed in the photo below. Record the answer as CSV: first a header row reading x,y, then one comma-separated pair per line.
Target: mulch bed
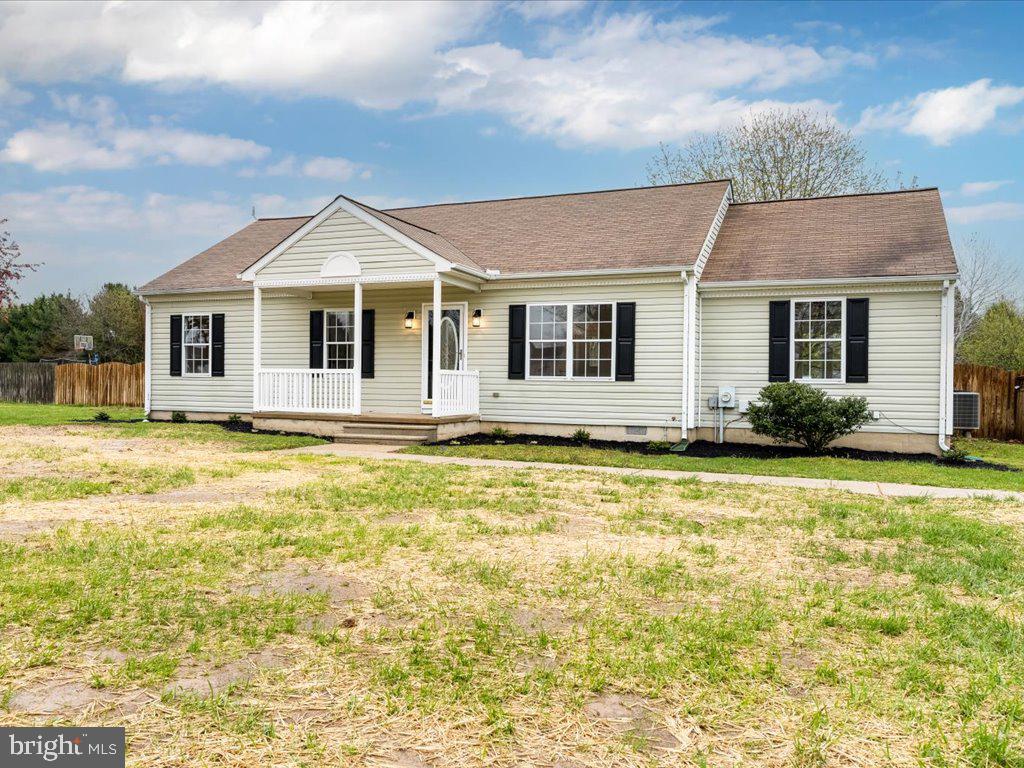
x,y
708,450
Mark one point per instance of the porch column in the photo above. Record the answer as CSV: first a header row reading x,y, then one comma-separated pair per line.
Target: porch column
x,y
257,345
435,370
357,357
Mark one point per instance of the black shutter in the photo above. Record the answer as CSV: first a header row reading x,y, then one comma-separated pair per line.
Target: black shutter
x,y
316,338
857,341
778,341
175,345
625,340
517,341
217,348
368,330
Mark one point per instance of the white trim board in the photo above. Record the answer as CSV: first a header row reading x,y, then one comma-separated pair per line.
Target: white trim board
x,y
344,204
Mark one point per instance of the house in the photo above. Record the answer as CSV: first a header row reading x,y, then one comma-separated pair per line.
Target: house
x,y
622,312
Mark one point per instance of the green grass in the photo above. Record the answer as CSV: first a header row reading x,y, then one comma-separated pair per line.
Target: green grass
x,y
42,415
32,414
910,472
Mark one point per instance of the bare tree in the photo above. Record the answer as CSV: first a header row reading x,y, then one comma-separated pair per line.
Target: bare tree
x,y
12,268
774,155
985,279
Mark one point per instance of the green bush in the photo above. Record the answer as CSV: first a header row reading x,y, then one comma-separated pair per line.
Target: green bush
x,y
178,417
659,446
101,416
792,412
581,436
500,433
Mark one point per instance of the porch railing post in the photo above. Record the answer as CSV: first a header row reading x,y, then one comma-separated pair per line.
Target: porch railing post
x,y
357,352
435,369
257,341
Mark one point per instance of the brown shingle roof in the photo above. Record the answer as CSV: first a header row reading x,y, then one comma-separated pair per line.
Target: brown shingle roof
x,y
872,235
219,265
616,229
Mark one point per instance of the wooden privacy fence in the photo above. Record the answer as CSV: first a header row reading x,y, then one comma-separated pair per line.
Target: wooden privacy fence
x,y
27,382
1002,399
104,384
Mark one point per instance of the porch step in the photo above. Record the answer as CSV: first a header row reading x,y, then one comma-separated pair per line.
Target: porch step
x,y
387,432
350,437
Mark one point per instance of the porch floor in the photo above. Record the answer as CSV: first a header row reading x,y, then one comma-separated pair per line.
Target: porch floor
x,y
380,428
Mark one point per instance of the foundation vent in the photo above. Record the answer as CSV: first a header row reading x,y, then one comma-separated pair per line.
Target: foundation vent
x,y
636,430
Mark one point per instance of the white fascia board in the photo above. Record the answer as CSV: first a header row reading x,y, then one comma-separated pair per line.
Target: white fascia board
x,y
343,203
678,269
716,225
726,285
183,291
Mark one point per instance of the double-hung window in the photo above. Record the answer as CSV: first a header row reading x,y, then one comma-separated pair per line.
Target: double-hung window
x,y
195,344
339,338
818,340
570,340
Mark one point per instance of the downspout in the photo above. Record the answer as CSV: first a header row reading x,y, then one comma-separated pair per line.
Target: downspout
x,y
944,363
147,392
687,321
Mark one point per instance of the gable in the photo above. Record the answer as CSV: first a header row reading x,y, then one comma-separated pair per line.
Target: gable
x,y
340,237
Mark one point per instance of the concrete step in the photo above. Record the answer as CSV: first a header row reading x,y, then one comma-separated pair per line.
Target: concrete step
x,y
362,438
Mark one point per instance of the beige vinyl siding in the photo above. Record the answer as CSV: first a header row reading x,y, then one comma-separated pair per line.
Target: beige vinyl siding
x,y
231,393
376,252
395,387
653,399
903,354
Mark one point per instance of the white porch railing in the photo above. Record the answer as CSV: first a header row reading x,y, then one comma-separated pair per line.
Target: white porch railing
x,y
457,393
307,391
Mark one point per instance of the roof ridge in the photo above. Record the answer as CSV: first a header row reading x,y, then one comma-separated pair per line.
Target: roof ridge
x,y
836,197
282,218
556,194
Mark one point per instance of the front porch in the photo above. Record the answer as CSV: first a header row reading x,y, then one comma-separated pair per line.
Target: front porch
x,y
357,356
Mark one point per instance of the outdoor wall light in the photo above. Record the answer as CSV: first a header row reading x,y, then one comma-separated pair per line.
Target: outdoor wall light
x,y
477,314
409,316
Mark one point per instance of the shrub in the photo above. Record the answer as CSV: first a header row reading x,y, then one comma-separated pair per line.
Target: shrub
x,y
178,417
234,418
581,436
792,412
101,416
659,446
955,454
500,433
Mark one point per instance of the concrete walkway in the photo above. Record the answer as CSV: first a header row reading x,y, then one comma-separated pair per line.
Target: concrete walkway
x,y
391,452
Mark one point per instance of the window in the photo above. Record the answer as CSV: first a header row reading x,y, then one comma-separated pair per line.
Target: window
x,y
339,338
818,340
580,349
591,341
546,333
195,344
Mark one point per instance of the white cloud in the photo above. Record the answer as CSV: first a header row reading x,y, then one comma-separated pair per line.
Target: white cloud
x,y
106,142
972,188
974,214
11,96
626,80
270,206
944,115
629,81
532,10
375,54
77,208
333,168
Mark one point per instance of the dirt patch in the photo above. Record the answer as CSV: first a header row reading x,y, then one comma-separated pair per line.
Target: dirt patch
x,y
341,590
14,530
548,620
632,716
402,758
63,697
199,681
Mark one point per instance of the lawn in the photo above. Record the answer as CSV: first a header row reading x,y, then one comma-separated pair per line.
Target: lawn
x,y
912,472
296,609
127,423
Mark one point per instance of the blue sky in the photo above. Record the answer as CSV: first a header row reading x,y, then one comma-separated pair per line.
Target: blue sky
x,y
133,136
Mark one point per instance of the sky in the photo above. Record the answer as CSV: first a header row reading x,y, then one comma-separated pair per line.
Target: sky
x,y
133,136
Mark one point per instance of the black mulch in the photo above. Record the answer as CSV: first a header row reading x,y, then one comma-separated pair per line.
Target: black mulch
x,y
708,450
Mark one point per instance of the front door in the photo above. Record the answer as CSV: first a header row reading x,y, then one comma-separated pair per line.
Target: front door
x,y
453,343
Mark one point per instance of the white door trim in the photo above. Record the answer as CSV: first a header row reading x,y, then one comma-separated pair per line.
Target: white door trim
x,y
463,339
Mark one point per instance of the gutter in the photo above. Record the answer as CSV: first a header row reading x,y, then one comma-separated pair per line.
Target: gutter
x,y
726,284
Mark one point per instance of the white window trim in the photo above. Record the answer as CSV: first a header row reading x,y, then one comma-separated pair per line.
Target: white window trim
x,y
568,340
355,351
209,345
842,340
